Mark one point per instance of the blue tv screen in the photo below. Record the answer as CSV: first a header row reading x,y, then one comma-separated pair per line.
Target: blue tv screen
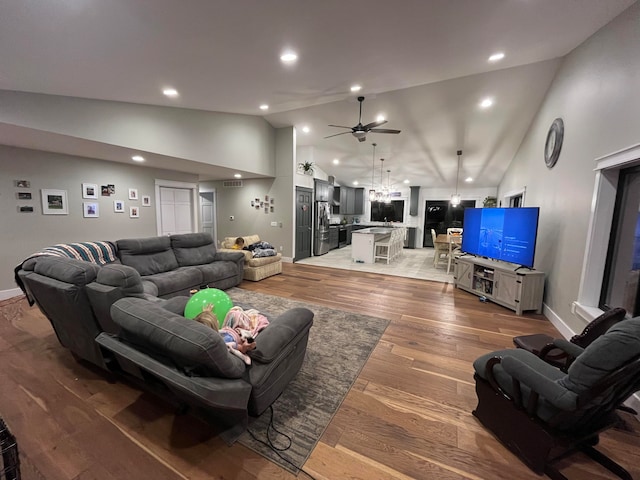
x,y
507,234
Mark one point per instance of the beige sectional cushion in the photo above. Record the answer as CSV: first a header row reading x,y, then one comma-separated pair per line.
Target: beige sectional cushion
x,y
228,242
258,262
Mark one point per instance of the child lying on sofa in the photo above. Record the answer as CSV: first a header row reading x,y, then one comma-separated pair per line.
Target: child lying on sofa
x,y
239,328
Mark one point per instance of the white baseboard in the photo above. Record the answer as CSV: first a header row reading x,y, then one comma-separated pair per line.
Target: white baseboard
x,y
14,292
557,322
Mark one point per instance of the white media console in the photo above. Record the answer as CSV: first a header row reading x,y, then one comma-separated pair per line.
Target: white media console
x,y
519,289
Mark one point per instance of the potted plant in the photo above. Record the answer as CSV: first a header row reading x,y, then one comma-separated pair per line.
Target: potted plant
x,y
306,167
490,202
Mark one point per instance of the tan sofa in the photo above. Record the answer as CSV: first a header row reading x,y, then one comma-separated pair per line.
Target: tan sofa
x,y
255,269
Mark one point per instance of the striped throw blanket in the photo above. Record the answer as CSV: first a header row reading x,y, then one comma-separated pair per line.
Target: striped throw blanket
x,y
99,253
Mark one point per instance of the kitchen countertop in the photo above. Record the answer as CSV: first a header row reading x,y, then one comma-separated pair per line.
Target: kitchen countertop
x,y
374,230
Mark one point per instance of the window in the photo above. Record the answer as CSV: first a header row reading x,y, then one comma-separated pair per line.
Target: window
x,y
620,285
599,236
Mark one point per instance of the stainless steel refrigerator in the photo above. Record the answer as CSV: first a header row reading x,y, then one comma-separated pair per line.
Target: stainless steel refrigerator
x,y
321,228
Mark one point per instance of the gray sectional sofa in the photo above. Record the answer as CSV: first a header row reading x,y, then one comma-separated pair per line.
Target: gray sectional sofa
x,y
125,316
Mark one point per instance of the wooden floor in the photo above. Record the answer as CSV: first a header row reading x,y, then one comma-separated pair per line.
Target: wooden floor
x,y
407,417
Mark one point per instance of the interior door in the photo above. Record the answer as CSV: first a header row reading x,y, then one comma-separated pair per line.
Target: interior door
x,y
175,211
304,223
207,213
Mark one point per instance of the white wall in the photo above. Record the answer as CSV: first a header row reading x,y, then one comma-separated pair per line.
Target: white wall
x,y
22,234
596,93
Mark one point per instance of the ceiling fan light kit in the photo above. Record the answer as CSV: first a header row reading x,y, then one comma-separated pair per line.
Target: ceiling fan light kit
x,y
360,131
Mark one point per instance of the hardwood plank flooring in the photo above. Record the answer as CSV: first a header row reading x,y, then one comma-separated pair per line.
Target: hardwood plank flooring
x,y
408,416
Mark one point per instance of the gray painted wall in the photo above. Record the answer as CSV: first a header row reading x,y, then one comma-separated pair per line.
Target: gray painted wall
x,y
24,233
240,142
248,220
596,93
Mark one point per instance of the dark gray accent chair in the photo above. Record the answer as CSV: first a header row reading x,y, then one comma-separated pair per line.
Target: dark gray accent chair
x,y
543,414
189,364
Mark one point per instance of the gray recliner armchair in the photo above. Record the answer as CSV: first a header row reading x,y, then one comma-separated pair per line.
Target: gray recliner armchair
x,y
543,414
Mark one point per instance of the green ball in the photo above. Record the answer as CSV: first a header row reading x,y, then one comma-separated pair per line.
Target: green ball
x,y
219,299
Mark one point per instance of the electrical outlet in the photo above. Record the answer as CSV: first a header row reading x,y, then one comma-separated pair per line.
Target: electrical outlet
x,y
280,247
274,224
231,218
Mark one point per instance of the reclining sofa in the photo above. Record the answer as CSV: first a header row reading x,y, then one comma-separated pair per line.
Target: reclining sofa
x,y
113,316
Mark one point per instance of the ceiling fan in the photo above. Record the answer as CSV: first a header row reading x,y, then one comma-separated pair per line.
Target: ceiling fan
x,y
360,131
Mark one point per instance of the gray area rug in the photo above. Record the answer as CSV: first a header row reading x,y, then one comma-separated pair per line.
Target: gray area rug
x,y
339,345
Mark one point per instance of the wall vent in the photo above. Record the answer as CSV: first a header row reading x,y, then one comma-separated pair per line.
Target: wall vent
x,y
232,183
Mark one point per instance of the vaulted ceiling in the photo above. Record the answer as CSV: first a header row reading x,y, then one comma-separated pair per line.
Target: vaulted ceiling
x,y
423,64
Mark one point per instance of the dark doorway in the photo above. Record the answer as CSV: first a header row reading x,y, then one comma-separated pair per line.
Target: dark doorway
x,y
304,200
440,215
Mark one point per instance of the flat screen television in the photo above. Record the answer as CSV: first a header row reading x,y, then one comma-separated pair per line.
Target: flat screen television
x,y
387,212
507,234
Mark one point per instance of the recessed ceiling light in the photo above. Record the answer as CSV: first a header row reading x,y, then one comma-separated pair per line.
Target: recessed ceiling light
x,y
496,57
486,103
137,158
380,118
237,175
289,57
306,129
356,88
170,92
468,179
264,106
355,182
336,161
406,181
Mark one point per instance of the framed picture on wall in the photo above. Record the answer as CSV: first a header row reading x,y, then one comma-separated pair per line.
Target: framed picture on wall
x,y
91,209
54,202
89,190
134,212
133,194
146,201
118,206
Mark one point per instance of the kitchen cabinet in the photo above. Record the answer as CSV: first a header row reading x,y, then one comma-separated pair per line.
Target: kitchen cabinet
x,y
413,201
358,201
323,190
348,201
506,284
333,237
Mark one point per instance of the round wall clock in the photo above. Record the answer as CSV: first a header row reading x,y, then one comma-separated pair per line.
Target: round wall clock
x,y
554,142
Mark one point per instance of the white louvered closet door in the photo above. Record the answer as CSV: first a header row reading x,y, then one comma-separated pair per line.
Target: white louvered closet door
x,y
175,210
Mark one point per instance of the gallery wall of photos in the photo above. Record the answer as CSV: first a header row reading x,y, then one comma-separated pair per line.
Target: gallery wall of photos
x,y
55,201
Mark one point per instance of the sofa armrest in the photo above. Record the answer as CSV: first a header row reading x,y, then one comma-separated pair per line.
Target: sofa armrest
x,y
282,331
229,256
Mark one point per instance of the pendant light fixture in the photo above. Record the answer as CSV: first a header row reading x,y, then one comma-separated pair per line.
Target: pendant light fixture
x,y
387,192
455,198
380,196
372,192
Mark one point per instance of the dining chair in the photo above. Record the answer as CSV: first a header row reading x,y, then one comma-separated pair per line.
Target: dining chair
x,y
441,250
453,253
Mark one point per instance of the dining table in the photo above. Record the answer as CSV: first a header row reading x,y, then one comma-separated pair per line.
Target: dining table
x,y
443,238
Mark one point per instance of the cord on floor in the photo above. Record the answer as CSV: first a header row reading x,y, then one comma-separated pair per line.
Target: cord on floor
x,y
269,443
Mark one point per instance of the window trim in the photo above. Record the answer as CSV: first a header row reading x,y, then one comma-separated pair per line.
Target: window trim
x,y
602,210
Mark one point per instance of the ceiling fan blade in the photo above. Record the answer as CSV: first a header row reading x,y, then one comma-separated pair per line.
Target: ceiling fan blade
x,y
336,134
384,130
371,125
341,126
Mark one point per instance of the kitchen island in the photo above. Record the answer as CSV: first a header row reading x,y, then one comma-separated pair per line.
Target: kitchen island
x,y
363,243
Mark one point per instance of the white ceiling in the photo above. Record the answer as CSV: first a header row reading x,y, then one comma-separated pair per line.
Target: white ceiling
x,y
422,63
